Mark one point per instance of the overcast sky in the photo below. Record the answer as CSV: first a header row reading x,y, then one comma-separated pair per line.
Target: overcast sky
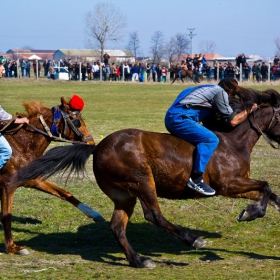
x,y
235,26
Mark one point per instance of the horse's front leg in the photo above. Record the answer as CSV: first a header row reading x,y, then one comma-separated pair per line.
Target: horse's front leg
x,y
50,188
6,219
239,186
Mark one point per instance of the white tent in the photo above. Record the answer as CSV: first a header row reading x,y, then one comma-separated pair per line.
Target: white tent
x,y
34,56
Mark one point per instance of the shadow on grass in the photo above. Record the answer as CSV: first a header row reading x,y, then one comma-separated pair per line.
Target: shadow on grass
x,y
95,242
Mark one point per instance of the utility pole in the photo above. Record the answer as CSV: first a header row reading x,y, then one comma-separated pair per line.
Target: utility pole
x,y
191,35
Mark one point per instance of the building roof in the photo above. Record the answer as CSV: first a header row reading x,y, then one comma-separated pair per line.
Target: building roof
x,y
89,53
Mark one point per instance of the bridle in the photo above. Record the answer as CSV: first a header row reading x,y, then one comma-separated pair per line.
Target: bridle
x,y
74,124
54,133
275,117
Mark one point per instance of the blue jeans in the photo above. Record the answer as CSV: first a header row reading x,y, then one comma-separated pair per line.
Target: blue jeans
x,y
5,151
186,126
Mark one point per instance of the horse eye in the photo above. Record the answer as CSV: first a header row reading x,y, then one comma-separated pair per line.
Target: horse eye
x,y
77,123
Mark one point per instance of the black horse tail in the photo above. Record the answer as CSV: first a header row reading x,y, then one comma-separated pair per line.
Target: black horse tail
x,y
63,158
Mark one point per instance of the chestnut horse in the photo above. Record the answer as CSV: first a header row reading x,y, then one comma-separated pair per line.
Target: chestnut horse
x,y
131,163
29,142
185,74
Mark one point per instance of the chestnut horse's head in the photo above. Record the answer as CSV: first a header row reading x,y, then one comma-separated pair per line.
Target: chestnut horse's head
x,y
65,120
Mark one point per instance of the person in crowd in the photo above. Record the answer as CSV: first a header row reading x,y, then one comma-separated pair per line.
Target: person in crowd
x,y
255,72
246,71
2,70
113,71
148,70
89,71
118,73
126,71
46,65
23,68
51,71
264,72
159,72
28,68
195,61
5,148
83,71
276,60
154,72
106,58
14,69
237,72
190,108
35,62
95,71
189,62
164,73
134,71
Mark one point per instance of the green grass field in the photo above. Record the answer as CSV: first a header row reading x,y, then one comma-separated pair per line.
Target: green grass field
x,y
64,244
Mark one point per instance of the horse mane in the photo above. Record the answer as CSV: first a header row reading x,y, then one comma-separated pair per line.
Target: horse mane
x,y
240,99
33,108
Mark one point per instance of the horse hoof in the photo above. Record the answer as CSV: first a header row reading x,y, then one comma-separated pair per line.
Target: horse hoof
x,y
24,252
199,243
148,263
243,216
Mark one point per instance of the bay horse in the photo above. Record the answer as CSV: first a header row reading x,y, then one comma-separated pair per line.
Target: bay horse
x,y
132,163
185,74
29,142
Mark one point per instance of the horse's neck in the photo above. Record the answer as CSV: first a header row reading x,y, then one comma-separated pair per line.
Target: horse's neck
x,y
242,138
37,142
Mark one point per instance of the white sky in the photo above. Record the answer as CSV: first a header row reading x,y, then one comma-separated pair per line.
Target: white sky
x,y
235,26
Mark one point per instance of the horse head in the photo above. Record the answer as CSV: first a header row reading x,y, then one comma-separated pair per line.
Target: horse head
x,y
269,118
68,121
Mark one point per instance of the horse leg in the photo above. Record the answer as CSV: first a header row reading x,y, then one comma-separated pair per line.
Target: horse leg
x,y
153,214
239,186
6,219
274,200
50,188
124,207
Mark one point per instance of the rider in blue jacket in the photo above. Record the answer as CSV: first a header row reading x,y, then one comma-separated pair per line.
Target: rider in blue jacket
x,y
183,120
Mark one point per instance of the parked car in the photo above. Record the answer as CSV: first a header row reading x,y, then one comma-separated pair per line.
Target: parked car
x,y
61,73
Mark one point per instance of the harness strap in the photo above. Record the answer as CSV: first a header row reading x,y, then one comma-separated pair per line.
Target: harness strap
x,y
9,122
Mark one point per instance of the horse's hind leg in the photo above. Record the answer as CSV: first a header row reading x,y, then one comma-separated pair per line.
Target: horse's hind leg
x,y
50,188
7,197
153,214
124,206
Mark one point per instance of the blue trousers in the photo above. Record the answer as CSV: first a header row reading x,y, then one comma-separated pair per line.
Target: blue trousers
x,y
186,126
5,151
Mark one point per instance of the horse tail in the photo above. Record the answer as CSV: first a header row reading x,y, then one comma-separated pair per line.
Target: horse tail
x,y
63,158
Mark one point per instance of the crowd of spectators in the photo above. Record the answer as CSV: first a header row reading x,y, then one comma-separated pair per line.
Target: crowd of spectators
x,y
139,72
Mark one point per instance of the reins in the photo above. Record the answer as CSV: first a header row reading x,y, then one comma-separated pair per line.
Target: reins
x,y
276,117
48,132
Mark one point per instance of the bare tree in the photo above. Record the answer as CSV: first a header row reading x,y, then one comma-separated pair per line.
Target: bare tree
x,y
133,43
157,47
277,43
181,44
105,23
170,49
207,47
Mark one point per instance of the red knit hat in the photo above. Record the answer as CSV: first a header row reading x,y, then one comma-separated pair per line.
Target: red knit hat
x,y
77,103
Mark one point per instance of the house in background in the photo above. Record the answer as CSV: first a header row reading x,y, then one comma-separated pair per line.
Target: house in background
x,y
117,56
29,54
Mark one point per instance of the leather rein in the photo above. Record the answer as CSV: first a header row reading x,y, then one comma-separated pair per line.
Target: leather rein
x,y
275,117
53,132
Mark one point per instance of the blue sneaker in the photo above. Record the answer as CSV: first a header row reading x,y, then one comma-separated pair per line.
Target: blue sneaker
x,y
201,187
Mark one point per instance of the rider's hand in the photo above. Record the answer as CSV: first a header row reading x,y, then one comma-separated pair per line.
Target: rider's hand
x,y
22,120
254,107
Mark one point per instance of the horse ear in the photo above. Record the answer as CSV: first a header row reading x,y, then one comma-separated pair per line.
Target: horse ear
x,y
275,99
64,103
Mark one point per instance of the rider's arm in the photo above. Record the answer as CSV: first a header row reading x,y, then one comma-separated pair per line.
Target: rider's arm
x,y
240,117
230,117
